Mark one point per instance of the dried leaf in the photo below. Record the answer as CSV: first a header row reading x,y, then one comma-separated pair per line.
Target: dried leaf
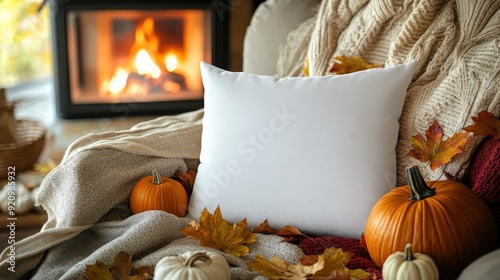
x,y
485,124
98,271
350,64
264,228
122,269
335,260
341,274
289,233
186,179
329,265
143,273
276,268
434,149
362,242
215,232
309,260
122,266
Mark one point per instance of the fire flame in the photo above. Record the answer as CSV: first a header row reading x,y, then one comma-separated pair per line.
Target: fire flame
x,y
119,81
171,62
145,65
144,53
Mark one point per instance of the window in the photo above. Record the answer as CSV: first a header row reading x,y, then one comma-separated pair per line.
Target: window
x,y
25,48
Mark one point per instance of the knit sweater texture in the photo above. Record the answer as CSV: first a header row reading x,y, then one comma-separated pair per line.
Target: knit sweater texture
x,y
456,44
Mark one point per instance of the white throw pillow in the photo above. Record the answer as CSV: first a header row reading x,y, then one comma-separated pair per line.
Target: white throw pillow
x,y
315,153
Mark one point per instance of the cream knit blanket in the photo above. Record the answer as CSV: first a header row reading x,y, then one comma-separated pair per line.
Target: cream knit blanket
x,y
456,44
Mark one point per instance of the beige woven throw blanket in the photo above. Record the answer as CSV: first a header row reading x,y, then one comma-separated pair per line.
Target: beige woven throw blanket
x,y
86,198
456,44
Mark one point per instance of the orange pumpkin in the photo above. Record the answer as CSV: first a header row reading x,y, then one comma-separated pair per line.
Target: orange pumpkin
x,y
158,193
443,219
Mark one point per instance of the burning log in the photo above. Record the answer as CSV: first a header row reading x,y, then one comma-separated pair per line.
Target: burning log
x,y
170,82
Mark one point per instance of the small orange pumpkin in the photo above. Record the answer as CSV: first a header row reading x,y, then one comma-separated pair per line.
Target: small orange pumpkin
x,y
158,193
445,220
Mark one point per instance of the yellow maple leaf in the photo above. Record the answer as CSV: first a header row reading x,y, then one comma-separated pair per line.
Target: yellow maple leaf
x,y
276,268
329,265
349,64
98,271
122,269
215,232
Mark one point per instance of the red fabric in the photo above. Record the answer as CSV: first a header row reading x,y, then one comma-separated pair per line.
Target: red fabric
x,y
485,171
360,258
484,177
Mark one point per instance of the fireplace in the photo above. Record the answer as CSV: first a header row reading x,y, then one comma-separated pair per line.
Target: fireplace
x,y
123,58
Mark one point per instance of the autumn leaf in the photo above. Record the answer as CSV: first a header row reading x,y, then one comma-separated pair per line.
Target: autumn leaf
x,y
341,274
350,64
98,271
144,272
362,242
122,266
329,265
275,268
186,179
122,269
334,259
289,233
485,124
433,148
215,232
264,228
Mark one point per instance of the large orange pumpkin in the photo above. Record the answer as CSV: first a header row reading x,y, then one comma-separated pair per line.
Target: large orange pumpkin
x,y
443,219
158,193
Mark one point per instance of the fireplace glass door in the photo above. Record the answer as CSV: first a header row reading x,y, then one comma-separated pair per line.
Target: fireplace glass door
x,y
146,59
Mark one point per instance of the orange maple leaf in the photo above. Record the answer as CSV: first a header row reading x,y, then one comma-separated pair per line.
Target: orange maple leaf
x,y
485,124
215,232
434,149
264,228
289,233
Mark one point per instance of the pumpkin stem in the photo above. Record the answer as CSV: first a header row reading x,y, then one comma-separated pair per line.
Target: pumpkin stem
x,y
418,187
156,178
202,256
408,253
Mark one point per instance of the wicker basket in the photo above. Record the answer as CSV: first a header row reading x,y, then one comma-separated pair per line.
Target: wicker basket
x,y
25,153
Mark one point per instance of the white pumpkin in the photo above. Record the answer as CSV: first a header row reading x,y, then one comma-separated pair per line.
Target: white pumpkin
x,y
22,201
486,267
193,265
409,266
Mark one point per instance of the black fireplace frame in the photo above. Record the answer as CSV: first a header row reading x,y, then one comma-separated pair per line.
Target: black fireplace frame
x,y
59,11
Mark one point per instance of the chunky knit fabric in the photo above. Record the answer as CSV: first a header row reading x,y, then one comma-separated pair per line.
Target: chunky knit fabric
x,y
456,44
